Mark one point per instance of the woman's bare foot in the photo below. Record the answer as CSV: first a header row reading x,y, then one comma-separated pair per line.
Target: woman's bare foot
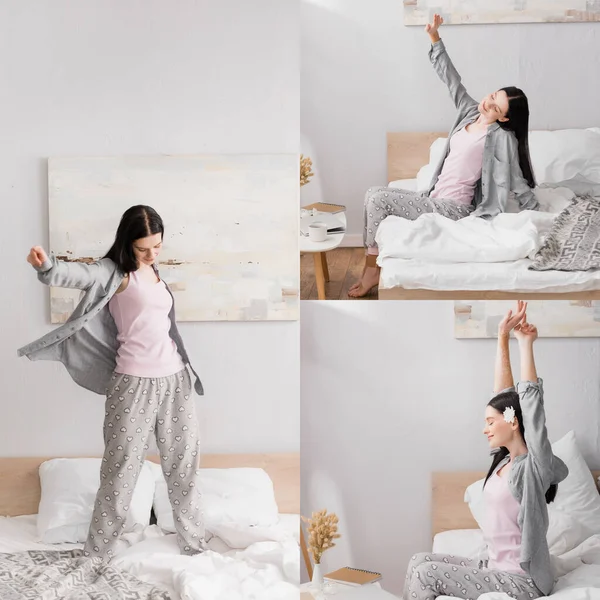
x,y
357,284
369,280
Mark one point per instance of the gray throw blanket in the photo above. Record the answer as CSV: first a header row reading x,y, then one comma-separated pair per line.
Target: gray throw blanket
x,y
67,575
573,244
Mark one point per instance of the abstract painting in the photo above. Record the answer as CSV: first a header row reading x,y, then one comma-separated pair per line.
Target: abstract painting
x,y
230,249
465,12
555,318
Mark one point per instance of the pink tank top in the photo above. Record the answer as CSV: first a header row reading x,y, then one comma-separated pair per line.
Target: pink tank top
x,y
141,313
462,167
501,531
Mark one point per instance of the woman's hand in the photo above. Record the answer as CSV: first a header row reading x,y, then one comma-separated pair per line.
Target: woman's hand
x,y
511,321
37,256
432,28
526,332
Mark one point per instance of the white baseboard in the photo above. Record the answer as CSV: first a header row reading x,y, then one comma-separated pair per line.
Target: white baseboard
x,y
352,240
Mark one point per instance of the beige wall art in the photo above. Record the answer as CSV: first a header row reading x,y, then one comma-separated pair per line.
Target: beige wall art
x,y
464,12
230,250
556,318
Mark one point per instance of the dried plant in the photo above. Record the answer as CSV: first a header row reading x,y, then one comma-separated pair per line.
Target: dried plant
x,y
322,530
305,170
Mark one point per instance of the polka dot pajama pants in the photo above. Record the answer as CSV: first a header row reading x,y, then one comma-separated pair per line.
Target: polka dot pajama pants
x,y
381,202
136,408
433,575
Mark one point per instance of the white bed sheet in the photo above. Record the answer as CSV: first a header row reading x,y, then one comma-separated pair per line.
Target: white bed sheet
x,y
266,570
18,534
509,277
578,570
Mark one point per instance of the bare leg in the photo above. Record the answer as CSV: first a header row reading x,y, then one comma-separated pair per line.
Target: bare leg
x,y
369,279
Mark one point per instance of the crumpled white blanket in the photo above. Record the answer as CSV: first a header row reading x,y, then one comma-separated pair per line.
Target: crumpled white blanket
x,y
434,238
508,237
263,570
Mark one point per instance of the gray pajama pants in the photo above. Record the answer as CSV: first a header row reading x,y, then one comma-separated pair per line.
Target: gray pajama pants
x,y
137,407
432,575
381,202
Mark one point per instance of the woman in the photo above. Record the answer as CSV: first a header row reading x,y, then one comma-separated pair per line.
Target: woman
x,y
122,340
521,481
486,157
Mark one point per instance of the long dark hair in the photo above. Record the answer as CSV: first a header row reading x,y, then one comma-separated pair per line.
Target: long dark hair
x,y
518,123
137,222
500,403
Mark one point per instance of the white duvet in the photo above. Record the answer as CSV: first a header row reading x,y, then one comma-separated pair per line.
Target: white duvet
x,y
434,238
507,237
265,565
263,570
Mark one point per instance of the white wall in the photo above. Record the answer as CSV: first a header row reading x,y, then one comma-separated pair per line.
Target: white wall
x,y
104,77
364,73
388,396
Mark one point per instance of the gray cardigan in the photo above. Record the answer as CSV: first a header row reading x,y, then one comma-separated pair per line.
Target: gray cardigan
x,y
530,476
87,343
501,172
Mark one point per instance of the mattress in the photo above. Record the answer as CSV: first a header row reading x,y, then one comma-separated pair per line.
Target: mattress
x,y
503,277
265,569
578,570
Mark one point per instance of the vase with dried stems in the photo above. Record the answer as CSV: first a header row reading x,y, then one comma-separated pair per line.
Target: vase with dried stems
x,y
305,170
322,530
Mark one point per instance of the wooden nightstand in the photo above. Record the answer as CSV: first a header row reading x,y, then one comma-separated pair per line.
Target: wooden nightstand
x,y
319,250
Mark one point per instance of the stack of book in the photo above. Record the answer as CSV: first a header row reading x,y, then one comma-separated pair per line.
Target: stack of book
x,y
326,207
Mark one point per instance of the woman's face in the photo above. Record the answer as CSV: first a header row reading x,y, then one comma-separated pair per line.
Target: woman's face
x,y
498,432
147,249
494,107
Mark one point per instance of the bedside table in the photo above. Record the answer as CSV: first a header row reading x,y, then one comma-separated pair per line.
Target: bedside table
x,y
319,249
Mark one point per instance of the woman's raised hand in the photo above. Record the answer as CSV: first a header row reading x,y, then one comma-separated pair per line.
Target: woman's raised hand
x,y
432,28
511,321
526,332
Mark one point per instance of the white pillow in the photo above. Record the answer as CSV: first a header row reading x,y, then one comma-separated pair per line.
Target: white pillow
x,y
243,496
560,155
425,174
575,513
577,494
404,184
69,488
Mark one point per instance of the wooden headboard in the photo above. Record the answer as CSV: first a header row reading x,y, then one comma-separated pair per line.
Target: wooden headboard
x,y
449,510
20,482
407,152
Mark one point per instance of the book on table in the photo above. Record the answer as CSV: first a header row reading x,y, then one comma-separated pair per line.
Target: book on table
x,y
352,576
326,207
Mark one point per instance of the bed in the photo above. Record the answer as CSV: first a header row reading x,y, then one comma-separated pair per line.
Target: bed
x,y
243,561
456,531
408,155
